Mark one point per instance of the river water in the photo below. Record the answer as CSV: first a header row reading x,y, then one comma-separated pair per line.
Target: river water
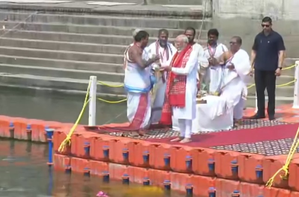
x,y
24,173
37,104
23,166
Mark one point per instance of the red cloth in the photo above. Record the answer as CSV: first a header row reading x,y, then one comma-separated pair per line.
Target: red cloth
x,y
176,86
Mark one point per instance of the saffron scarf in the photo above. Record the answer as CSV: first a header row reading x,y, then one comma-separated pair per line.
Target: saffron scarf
x,y
175,86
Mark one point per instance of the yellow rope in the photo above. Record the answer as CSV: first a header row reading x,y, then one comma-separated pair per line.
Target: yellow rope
x,y
281,85
285,167
112,102
67,140
109,85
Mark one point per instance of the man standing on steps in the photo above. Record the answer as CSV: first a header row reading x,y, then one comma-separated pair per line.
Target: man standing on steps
x,y
181,89
138,83
267,57
165,51
202,61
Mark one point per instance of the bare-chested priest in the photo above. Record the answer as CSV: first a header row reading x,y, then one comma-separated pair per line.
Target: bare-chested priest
x,y
138,82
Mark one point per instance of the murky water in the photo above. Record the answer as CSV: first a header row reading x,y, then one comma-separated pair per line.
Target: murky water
x,y
60,107
23,172
23,169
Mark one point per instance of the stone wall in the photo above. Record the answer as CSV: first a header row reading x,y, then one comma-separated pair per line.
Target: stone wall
x,y
243,18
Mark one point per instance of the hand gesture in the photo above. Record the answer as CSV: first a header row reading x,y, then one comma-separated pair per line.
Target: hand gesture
x,y
155,57
231,66
251,72
278,72
166,68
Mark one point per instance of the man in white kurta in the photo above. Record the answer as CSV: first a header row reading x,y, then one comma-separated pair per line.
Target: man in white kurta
x,y
202,62
236,68
236,75
181,89
213,51
138,83
165,50
238,57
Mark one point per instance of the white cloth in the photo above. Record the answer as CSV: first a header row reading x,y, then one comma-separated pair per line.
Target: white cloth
x,y
202,61
203,122
218,112
136,79
214,75
201,58
185,128
158,101
133,100
190,70
137,82
234,83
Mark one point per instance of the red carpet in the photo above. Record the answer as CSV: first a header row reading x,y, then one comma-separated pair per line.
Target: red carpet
x,y
239,136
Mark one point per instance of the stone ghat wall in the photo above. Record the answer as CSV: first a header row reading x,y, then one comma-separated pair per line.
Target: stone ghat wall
x,y
243,18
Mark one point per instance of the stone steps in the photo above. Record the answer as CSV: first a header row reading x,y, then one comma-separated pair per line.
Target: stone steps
x,y
82,29
61,72
119,21
78,37
62,55
54,83
57,63
176,2
64,46
52,50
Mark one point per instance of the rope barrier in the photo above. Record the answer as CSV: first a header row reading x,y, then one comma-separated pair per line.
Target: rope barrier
x,y
124,100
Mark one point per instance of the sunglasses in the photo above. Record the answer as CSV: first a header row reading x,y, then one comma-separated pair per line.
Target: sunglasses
x,y
265,25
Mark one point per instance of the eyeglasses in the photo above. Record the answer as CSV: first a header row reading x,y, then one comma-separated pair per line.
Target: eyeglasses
x,y
232,43
263,25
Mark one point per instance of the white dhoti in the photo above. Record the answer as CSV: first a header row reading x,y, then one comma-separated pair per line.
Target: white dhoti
x,y
139,110
185,128
158,102
215,78
238,110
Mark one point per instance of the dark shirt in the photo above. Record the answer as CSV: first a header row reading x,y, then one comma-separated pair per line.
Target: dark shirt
x,y
267,50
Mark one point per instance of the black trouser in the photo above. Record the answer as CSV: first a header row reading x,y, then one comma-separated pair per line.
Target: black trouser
x,y
265,79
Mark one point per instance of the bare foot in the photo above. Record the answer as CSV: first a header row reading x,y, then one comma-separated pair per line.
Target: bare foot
x,y
141,132
237,123
185,140
176,139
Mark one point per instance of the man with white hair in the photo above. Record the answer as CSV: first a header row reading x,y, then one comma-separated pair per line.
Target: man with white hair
x,y
165,51
202,63
181,89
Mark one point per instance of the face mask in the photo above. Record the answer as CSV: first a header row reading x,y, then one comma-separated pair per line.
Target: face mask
x,y
162,43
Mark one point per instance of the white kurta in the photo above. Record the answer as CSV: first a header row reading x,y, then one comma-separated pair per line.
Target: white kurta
x,y
214,75
234,82
137,84
219,111
189,111
158,101
202,61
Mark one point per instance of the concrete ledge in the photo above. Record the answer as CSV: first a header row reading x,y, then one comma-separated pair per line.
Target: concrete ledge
x,y
133,10
54,83
55,91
